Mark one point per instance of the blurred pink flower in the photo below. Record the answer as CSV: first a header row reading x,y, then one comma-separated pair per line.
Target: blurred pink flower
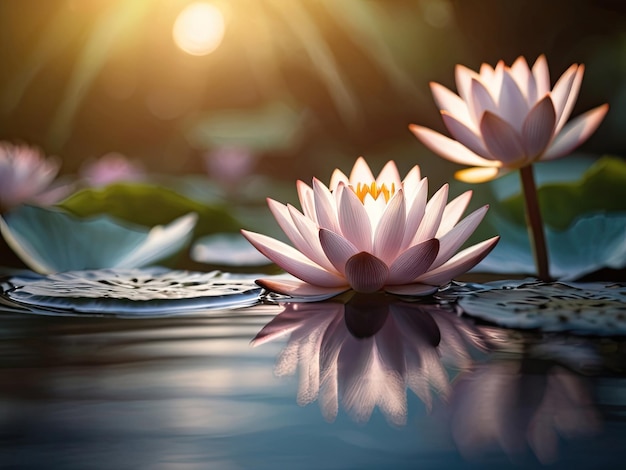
x,y
26,176
111,168
229,164
505,118
371,234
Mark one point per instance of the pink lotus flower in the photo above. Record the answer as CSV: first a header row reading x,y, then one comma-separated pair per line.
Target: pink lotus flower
x,y
508,117
26,175
371,234
112,168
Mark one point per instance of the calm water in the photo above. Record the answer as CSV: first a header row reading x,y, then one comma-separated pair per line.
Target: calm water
x,y
416,389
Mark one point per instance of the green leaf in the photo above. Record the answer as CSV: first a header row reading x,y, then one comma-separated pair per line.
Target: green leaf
x,y
148,205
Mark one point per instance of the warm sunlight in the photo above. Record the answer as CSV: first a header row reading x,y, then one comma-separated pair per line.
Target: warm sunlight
x,y
199,29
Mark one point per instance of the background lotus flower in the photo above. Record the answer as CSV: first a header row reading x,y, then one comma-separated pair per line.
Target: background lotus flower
x,y
112,168
369,234
26,175
508,117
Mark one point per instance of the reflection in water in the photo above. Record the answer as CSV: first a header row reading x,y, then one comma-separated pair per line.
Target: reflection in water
x,y
368,351
524,401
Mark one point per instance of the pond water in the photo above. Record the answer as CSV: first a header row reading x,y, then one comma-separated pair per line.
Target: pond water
x,y
413,388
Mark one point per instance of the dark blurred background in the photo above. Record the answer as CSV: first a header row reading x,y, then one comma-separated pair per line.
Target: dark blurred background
x,y
304,85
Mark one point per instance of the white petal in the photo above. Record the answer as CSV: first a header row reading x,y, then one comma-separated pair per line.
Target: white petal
x,y
561,91
325,208
502,140
432,216
337,177
480,101
413,262
448,148
524,79
292,261
571,98
412,185
311,247
305,195
300,289
337,249
354,221
465,135
450,102
453,212
538,128
452,241
390,229
361,173
459,264
542,75
388,175
415,214
576,132
366,273
464,77
512,106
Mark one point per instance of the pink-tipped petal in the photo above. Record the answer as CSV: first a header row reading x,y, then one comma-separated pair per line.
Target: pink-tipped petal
x,y
512,105
501,139
480,102
337,249
571,98
538,128
450,102
388,175
305,195
354,221
480,174
324,206
464,134
413,262
561,91
524,79
453,212
463,77
292,261
337,177
542,75
414,289
366,273
432,216
415,214
459,264
310,246
300,289
449,148
576,132
452,241
361,173
390,229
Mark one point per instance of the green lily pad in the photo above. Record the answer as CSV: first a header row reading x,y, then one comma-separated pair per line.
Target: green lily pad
x,y
601,188
148,205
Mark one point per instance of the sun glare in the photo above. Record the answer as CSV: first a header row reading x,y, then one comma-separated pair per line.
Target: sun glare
x,y
199,29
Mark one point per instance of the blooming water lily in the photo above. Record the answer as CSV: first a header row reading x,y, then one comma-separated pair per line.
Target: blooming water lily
x,y
370,234
506,118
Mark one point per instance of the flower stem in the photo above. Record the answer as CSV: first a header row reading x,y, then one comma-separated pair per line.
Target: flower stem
x,y
535,224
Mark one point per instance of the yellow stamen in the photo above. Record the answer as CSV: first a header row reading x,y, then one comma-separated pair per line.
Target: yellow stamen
x,y
362,190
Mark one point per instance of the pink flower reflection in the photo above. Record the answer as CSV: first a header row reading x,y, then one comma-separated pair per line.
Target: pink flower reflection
x,y
520,405
366,353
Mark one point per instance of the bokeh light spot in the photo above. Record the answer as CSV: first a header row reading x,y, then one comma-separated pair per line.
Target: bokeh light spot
x,y
199,28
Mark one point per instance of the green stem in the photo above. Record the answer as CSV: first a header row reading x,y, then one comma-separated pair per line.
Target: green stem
x,y
535,224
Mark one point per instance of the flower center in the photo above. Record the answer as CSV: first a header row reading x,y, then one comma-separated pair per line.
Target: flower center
x,y
362,190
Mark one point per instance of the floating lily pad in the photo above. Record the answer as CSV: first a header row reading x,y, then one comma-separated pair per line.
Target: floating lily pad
x,y
593,242
129,292
149,205
583,308
51,240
